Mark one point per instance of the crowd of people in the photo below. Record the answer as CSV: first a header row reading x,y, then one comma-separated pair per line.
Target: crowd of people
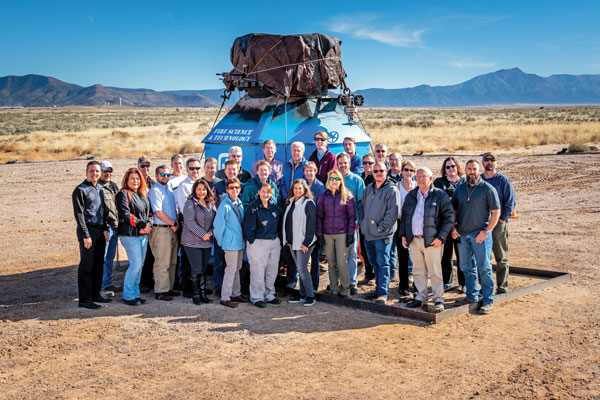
x,y
379,212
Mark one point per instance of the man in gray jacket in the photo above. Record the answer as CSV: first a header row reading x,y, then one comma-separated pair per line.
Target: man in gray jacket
x,y
427,217
378,224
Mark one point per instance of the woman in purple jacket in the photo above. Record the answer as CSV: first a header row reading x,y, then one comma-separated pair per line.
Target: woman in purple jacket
x,y
197,235
336,222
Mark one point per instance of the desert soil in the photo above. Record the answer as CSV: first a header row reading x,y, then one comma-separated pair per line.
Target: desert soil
x,y
542,346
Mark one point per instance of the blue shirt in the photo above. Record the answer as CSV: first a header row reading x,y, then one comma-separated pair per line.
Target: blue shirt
x,y
419,214
291,172
162,199
506,194
317,189
356,186
356,165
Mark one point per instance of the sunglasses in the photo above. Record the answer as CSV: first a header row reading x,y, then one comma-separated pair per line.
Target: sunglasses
x,y
320,139
236,187
409,170
368,162
450,166
378,171
194,168
380,151
163,174
334,178
109,170
145,165
489,159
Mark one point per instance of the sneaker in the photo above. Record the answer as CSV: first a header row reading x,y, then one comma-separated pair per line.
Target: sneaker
x,y
380,300
260,304
107,293
485,309
439,306
113,288
310,301
297,299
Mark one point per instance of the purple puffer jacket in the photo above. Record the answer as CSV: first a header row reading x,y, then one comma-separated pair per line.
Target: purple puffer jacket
x,y
334,218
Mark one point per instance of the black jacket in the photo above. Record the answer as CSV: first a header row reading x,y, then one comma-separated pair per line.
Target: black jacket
x,y
134,212
438,215
88,207
261,222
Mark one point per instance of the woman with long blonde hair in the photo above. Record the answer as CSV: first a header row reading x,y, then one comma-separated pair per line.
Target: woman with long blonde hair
x,y
336,223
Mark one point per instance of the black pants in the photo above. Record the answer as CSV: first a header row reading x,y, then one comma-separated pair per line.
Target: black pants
x,y
314,266
403,258
198,258
147,278
91,264
449,246
369,272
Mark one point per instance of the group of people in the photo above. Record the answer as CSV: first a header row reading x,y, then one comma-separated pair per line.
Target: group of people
x,y
377,211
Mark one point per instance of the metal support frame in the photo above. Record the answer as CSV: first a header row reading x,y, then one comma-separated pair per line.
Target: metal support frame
x,y
554,278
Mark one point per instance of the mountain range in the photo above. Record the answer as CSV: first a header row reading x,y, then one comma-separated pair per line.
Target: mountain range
x,y
503,87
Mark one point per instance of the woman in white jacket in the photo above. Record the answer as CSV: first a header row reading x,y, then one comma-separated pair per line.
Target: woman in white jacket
x,y
299,224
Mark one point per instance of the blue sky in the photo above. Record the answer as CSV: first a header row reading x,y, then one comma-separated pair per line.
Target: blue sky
x,y
181,45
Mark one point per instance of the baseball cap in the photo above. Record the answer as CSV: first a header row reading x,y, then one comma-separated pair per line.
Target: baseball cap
x,y
104,165
489,154
143,159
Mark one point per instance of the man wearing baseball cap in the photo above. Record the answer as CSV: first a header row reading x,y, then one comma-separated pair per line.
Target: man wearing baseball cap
x,y
111,216
507,197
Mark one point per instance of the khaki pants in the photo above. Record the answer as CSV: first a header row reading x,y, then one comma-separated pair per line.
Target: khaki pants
x,y
500,250
231,278
263,256
163,243
337,260
427,262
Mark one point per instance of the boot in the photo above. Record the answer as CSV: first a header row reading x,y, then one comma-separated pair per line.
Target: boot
x,y
196,289
203,297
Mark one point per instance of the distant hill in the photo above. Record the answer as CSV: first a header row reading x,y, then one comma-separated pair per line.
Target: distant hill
x,y
503,87
43,91
506,86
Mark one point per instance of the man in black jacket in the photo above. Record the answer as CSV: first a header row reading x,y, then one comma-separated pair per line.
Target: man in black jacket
x,y
427,217
88,207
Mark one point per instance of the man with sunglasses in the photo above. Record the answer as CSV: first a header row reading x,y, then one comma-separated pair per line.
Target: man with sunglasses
x,y
368,163
322,157
163,237
378,225
381,154
111,216
506,195
144,166
192,166
235,154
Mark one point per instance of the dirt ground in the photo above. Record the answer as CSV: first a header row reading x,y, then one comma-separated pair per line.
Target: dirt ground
x,y
544,345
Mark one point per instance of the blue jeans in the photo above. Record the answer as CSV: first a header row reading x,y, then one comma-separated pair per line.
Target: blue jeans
x,y
135,247
109,257
394,262
475,261
301,260
352,260
379,253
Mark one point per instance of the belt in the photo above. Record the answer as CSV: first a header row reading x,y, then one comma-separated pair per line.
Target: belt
x,y
162,225
418,236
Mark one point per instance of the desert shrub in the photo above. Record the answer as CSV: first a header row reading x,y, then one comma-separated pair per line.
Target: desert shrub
x,y
189,148
578,148
121,134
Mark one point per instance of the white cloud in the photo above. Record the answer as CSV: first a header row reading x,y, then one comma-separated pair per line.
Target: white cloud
x,y
463,64
365,26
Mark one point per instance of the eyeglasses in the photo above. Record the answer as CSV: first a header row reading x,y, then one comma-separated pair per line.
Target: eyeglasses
x,y
320,139
489,159
236,187
163,174
109,170
380,151
368,162
334,178
194,168
378,171
450,166
409,170
145,165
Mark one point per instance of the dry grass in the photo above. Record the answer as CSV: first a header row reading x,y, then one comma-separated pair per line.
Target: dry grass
x,y
41,134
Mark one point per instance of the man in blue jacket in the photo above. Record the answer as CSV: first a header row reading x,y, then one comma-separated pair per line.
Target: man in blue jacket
x,y
506,195
427,217
293,169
